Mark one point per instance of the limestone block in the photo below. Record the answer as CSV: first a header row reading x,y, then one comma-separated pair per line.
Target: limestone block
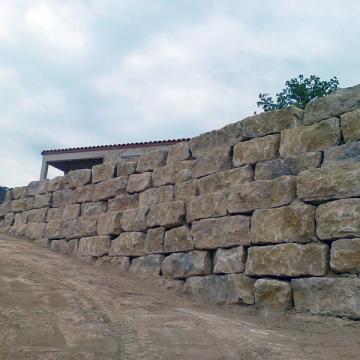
x,y
8,220
18,205
80,227
42,200
135,219
54,214
293,223
291,165
168,214
271,122
175,172
126,168
110,188
123,202
62,198
288,260
154,242
273,295
178,239
35,231
206,206
225,289
71,212
344,154
229,260
221,232
121,263
225,180
350,125
328,296
185,190
309,138
83,194
338,219
93,208
44,242
145,266
20,218
103,172
256,150
37,215
129,244
77,178
345,256
178,152
109,223
19,193
334,182
184,265
56,183
36,187
94,246
337,103
20,231
54,230
9,195
151,160
139,182
262,194
29,203
65,247
6,206
156,196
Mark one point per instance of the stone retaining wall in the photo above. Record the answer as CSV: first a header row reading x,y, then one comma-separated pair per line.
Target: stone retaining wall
x,y
265,211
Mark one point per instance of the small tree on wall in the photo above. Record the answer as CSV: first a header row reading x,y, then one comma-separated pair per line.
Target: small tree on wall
x,y
298,92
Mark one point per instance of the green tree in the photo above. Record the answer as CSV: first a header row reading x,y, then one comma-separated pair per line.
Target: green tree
x,y
298,92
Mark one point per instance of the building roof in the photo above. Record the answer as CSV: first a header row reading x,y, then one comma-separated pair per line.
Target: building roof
x,y
115,146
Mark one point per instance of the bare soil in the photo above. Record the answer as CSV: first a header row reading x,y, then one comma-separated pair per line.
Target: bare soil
x,y
58,307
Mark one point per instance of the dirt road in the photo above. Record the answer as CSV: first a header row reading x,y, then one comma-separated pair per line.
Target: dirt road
x,y
57,307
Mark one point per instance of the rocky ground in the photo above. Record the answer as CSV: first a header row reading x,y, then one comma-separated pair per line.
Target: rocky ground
x,y
57,307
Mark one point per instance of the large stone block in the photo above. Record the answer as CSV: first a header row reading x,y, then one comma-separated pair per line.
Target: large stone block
x,y
20,218
42,200
93,208
178,152
344,154
37,215
103,172
5,207
80,227
337,219
110,188
327,183
154,242
129,244
29,203
262,194
17,206
71,212
256,150
123,202
294,223
54,230
94,246
185,190
139,182
291,165
126,168
206,206
35,231
184,265
288,260
36,187
56,183
19,193
83,194
8,220
62,198
175,172
350,125
76,178
65,247
168,214
156,196
151,160
178,239
309,138
109,223
145,266
337,103
229,260
226,289
121,263
134,219
54,214
328,296
345,256
221,232
225,180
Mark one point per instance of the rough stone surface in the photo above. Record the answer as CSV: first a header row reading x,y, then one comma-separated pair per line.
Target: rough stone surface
x,y
93,208
345,256
65,247
8,219
338,219
42,200
110,188
294,223
54,214
154,242
109,223
19,192
178,239
309,138
229,260
94,246
170,174
168,214
83,194
71,212
206,206
184,265
43,242
256,150
262,194
328,296
54,230
327,183
56,183
103,172
123,202
139,182
187,189
152,160
221,232
126,168
178,152
350,125
134,219
129,244
35,231
119,262
344,154
80,227
17,206
62,198
156,196
288,260
36,215
78,178
149,265
36,187
20,219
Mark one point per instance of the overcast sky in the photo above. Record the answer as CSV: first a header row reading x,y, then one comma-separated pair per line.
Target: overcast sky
x,y
77,73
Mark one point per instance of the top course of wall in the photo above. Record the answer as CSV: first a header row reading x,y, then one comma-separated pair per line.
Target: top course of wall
x,y
263,212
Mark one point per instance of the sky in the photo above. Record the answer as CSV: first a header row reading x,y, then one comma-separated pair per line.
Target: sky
x,y
93,72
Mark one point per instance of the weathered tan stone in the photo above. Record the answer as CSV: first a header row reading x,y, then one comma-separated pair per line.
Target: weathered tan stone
x,y
123,202
29,203
80,227
168,214
154,242
20,231
273,295
337,103
110,188
175,172
8,220
6,206
328,296
156,196
20,218
36,187
262,194
103,172
93,208
43,242
309,138
129,244
145,266
134,219
62,198
37,215
293,223
54,214
291,165
65,247
350,125
229,260
206,206
18,205
126,168
288,260
121,263
221,232
151,160
71,212
54,230
19,193
56,183
94,246
187,189
184,265
139,182
345,256
83,194
327,183
225,180
109,223
178,152
338,219
77,178
35,231
344,154
9,195
42,200
178,239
